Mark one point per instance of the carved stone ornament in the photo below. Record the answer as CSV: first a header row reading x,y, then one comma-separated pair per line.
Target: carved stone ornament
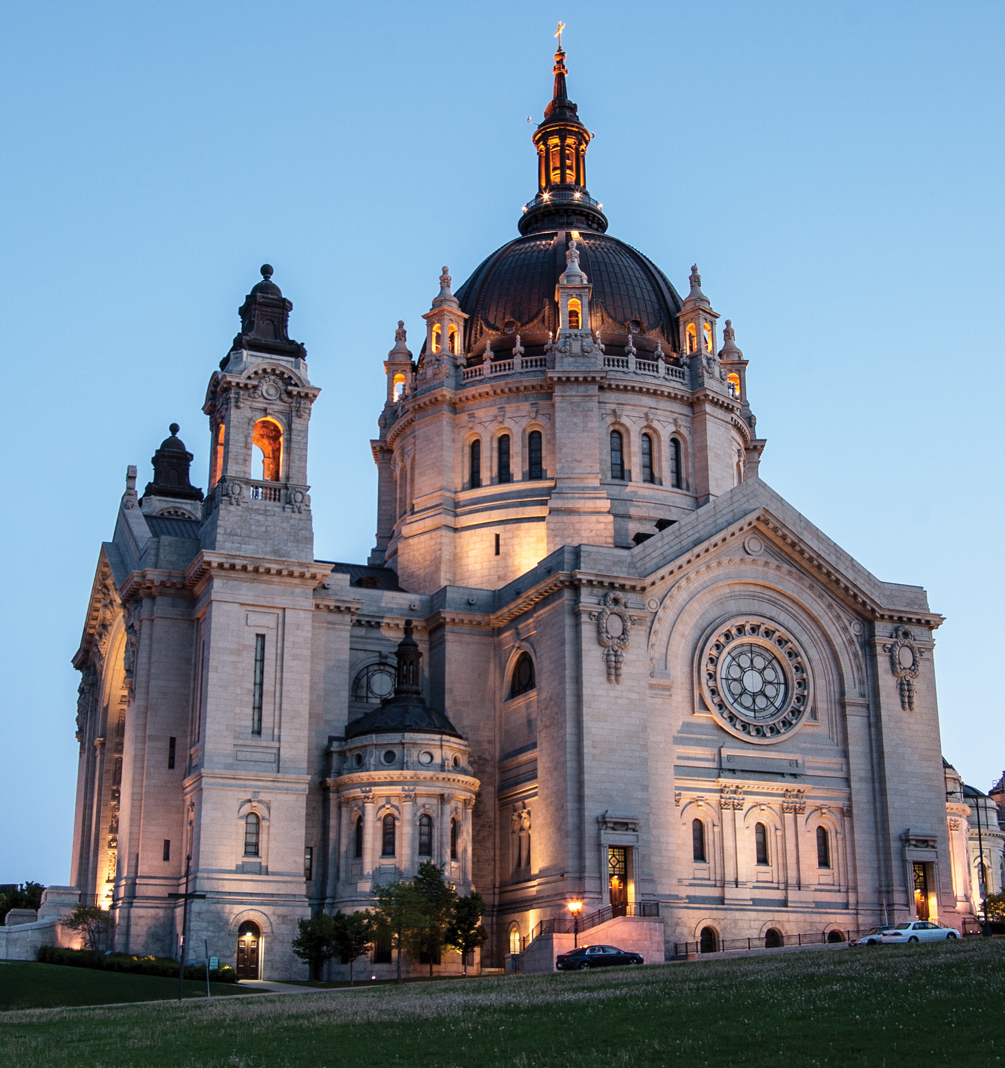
x,y
755,681
614,633
905,663
794,800
732,798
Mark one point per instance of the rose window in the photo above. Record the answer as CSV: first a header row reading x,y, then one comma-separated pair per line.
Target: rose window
x,y
753,681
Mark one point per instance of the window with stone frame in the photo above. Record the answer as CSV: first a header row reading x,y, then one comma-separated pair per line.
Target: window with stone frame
x,y
252,835
823,848
698,852
357,839
761,844
373,683
676,475
388,836
617,455
425,835
535,456
524,679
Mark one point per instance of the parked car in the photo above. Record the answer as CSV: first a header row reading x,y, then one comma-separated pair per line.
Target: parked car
x,y
595,957
872,937
917,931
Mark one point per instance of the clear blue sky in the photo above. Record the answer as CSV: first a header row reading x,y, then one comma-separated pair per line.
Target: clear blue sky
x,y
835,169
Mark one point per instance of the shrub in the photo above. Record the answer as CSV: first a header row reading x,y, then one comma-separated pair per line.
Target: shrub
x,y
135,965
92,922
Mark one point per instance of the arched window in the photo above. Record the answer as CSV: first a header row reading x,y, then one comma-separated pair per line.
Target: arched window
x,y
514,938
773,938
733,384
523,676
555,155
535,459
252,834
452,339
398,388
617,455
823,848
437,337
425,835
676,479
761,843
453,838
387,837
698,841
648,475
706,330
570,164
505,473
221,433
373,684
692,338
575,314
708,940
476,463
357,839
402,490
267,438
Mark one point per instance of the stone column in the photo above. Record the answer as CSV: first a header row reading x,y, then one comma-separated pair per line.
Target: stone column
x,y
340,862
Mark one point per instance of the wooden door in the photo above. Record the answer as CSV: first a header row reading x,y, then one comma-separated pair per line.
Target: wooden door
x,y
248,940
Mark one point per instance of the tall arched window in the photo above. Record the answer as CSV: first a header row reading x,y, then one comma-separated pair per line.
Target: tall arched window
x,y
535,458
437,337
648,475
761,843
398,387
453,838
676,479
357,839
706,330
692,338
252,834
452,339
733,385
505,473
823,848
617,455
514,938
575,314
221,434
267,439
387,837
698,841
476,463
425,835
523,676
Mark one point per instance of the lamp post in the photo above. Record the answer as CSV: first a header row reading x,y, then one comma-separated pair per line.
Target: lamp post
x,y
575,907
982,872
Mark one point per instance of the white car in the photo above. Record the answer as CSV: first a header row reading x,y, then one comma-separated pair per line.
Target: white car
x,y
917,931
872,937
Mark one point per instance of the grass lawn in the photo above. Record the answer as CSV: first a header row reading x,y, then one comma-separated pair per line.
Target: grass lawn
x,y
34,986
882,1008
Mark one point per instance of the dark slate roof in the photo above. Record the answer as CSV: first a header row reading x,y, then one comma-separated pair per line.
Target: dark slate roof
x,y
168,526
972,791
376,578
402,713
516,284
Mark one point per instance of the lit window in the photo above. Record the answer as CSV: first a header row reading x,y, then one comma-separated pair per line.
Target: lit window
x,y
252,833
425,835
505,474
761,843
706,330
617,455
221,432
523,676
398,388
437,337
648,475
535,468
675,467
692,338
387,838
823,848
452,339
734,385
555,154
268,440
575,314
570,164
698,841
476,463
308,863
514,939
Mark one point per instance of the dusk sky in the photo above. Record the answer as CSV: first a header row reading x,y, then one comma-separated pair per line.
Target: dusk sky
x,y
835,170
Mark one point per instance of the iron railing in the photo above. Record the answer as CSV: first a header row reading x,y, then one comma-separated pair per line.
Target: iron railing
x,y
772,940
565,924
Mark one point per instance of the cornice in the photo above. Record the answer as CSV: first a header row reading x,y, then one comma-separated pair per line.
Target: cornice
x,y
355,780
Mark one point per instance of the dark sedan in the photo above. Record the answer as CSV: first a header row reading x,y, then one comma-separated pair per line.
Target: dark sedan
x,y
595,957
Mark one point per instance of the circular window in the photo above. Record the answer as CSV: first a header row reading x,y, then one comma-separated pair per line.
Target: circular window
x,y
510,326
358,759
374,683
389,756
457,761
425,757
755,681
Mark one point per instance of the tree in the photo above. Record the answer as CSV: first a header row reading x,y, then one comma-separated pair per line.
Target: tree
x,y
438,899
398,914
994,904
22,896
315,942
92,923
354,934
466,932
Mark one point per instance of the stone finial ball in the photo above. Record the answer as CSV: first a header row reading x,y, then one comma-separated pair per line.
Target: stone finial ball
x,y
266,270
174,428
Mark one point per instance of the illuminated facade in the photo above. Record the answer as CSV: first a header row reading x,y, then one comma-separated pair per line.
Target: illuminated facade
x,y
634,675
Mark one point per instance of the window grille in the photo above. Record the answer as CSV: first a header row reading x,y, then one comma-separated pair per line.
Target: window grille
x,y
425,835
256,691
252,834
617,455
387,842
505,474
535,456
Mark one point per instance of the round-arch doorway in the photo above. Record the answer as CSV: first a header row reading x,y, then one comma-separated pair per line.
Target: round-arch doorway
x,y
773,938
708,940
249,950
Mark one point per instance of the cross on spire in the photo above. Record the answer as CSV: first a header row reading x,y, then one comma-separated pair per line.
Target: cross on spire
x,y
558,33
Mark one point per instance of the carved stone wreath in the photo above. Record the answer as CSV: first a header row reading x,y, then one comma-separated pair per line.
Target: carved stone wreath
x,y
755,681
614,632
905,663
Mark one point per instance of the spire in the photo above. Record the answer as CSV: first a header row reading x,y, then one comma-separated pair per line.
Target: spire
x,y
265,317
562,201
400,350
729,350
696,296
573,273
445,297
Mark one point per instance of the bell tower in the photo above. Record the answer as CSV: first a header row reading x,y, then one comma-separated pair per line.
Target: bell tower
x,y
259,406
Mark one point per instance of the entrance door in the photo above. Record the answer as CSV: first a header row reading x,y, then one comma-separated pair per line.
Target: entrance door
x,y
249,938
920,890
617,871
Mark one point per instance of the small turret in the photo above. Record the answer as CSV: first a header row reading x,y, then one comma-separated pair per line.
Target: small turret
x,y
444,329
171,492
398,366
265,317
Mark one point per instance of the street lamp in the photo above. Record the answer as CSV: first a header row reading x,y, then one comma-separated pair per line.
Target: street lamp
x,y
575,907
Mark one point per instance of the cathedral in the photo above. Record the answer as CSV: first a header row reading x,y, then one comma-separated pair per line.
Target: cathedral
x,y
592,658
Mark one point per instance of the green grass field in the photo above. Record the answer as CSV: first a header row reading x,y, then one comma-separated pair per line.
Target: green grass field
x,y
33,986
882,1008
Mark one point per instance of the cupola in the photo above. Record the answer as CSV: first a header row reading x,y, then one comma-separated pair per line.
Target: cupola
x,y
265,316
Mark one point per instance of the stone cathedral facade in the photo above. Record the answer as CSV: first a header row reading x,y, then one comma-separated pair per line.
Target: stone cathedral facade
x,y
592,655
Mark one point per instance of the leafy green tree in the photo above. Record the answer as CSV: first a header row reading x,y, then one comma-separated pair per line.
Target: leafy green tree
x,y
315,943
22,896
465,932
399,913
438,899
92,923
995,905
354,934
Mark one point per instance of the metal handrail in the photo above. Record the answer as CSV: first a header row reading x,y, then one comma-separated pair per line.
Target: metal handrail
x,y
566,924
